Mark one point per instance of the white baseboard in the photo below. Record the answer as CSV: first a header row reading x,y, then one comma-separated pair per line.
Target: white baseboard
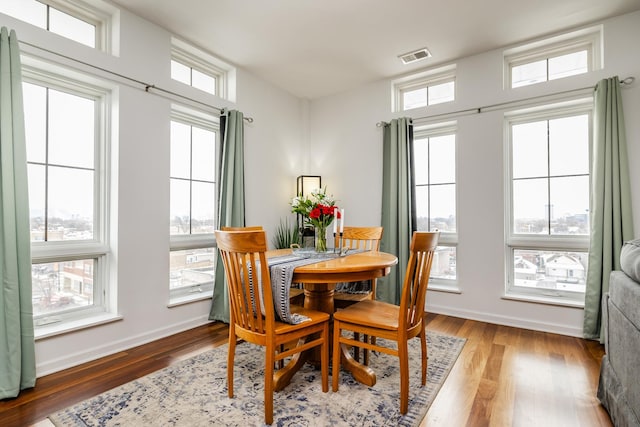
x,y
93,353
507,321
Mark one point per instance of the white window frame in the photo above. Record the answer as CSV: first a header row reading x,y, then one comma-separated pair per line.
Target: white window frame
x,y
181,242
95,12
447,239
421,80
45,74
589,39
197,59
517,241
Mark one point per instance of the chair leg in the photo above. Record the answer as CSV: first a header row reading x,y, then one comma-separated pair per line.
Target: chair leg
x,y
403,354
335,374
356,349
268,384
324,358
230,357
423,346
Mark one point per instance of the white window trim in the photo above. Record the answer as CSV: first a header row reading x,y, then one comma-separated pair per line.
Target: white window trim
x,y
447,239
516,241
206,63
420,80
39,72
198,118
564,44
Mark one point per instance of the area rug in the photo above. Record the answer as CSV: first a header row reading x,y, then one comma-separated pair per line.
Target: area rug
x,y
193,392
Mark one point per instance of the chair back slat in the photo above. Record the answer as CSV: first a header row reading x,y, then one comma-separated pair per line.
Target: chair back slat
x,y
363,238
248,279
416,281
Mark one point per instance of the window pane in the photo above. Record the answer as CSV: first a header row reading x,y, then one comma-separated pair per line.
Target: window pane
x,y
568,65
528,74
443,207
570,205
30,11
414,98
180,72
204,155
529,149
444,92
444,263
61,286
71,130
35,121
37,201
558,270
203,81
72,27
180,150
203,208
530,206
421,161
192,268
442,164
422,208
70,201
180,211
569,145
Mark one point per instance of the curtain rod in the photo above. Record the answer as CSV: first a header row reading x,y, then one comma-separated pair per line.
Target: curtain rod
x,y
478,110
147,86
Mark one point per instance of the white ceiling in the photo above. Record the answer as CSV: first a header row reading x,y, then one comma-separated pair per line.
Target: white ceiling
x,y
314,48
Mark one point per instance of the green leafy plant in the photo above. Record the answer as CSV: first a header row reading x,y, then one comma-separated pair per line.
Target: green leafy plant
x,y
285,235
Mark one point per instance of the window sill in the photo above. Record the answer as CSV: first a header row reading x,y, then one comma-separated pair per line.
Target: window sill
x,y
64,327
542,299
187,299
441,287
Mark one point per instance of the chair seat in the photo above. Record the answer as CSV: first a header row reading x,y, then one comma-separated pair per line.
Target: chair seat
x,y
314,316
372,313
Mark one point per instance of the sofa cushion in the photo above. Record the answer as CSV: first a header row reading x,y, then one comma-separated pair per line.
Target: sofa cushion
x,y
630,259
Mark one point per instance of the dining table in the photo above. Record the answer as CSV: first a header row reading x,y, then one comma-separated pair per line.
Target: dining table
x,y
319,280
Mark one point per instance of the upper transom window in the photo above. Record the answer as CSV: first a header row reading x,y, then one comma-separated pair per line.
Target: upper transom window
x,y
424,89
555,58
196,68
79,21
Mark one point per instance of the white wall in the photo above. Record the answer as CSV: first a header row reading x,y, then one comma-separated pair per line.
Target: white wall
x,y
335,137
346,125
140,193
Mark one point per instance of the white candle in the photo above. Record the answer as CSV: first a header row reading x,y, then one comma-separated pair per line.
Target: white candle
x,y
335,220
341,220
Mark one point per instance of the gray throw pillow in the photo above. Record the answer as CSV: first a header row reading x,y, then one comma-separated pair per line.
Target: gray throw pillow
x,y
630,259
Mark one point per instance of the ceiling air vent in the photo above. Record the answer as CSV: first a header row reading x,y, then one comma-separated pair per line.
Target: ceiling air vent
x,y
414,56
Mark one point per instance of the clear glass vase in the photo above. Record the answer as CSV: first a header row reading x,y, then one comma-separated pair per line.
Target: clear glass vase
x,y
321,239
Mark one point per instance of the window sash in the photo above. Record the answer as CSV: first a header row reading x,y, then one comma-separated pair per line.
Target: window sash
x,y
96,248
517,242
186,283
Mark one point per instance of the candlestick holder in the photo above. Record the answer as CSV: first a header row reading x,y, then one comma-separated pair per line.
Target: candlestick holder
x,y
337,246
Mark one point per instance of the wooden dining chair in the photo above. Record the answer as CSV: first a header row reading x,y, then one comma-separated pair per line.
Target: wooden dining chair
x,y
391,322
362,238
252,316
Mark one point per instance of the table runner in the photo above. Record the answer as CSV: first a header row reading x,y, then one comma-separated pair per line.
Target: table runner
x,y
281,271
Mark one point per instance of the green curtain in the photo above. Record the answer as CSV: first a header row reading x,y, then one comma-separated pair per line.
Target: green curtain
x,y
17,346
230,199
398,206
610,204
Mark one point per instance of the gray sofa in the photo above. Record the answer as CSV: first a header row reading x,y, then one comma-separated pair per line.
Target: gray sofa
x,y
619,387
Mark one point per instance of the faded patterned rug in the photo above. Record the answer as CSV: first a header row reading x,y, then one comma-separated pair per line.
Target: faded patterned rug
x,y
193,392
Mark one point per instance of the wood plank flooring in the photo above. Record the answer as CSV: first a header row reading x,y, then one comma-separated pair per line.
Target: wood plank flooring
x,y
504,377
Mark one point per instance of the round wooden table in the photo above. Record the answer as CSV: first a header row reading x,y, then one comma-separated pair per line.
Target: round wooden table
x,y
319,281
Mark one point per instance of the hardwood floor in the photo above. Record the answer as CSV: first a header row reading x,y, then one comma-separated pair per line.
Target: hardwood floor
x,y
504,377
